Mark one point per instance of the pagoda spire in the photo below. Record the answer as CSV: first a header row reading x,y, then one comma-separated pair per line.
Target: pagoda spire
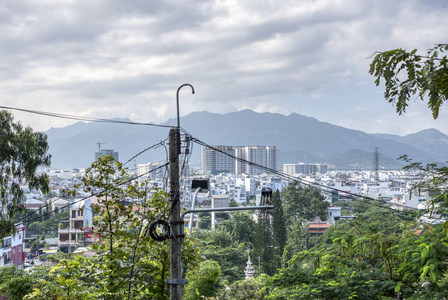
x,y
249,269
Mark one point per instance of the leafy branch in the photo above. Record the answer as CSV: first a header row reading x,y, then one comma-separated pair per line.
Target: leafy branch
x,y
407,74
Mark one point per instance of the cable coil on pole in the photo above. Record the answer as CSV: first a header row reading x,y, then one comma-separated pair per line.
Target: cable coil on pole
x,y
157,225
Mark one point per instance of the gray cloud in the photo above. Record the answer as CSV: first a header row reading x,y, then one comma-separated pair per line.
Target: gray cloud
x,y
127,58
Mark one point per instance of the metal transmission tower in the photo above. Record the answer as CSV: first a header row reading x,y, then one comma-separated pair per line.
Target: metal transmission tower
x,y
376,164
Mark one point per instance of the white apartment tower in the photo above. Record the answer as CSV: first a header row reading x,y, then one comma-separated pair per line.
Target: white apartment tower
x,y
265,156
304,169
216,162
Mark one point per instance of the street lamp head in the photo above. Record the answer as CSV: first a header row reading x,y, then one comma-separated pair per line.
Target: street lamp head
x,y
177,99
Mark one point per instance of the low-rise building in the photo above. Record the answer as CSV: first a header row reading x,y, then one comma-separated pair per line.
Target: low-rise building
x,y
12,250
72,234
219,201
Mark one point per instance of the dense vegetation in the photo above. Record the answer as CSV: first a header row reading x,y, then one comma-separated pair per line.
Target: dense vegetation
x,y
382,254
22,152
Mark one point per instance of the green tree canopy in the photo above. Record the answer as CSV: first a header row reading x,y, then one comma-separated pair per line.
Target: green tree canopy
x,y
220,246
305,202
22,152
202,281
128,264
241,227
278,224
378,256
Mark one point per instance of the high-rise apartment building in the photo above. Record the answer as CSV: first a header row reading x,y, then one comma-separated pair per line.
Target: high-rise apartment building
x,y
106,152
215,162
304,169
265,156
152,170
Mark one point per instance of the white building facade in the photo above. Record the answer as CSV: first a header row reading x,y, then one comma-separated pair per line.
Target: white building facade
x,y
214,162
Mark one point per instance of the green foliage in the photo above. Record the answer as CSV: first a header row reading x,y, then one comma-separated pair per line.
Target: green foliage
x,y
14,282
205,220
300,204
377,256
57,257
426,261
303,202
253,288
241,227
48,227
233,203
22,151
37,243
296,240
219,245
264,244
128,264
278,224
202,281
407,74
434,181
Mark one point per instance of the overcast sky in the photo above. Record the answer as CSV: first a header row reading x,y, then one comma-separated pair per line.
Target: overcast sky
x,y
126,59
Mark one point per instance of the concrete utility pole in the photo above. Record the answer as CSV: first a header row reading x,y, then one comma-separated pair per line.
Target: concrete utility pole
x,y
176,280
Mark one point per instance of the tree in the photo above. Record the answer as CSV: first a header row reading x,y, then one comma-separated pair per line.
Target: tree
x,y
377,256
264,244
205,220
252,288
48,227
202,281
295,242
427,77
129,264
278,223
241,227
233,203
37,243
408,74
305,202
220,246
22,152
14,283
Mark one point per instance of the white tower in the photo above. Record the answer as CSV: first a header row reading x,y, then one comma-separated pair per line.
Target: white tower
x,y
249,269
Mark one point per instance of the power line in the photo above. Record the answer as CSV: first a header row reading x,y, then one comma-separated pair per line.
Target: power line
x,y
79,200
79,118
290,177
155,146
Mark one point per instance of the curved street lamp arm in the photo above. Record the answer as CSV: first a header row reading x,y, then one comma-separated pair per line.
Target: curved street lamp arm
x,y
177,98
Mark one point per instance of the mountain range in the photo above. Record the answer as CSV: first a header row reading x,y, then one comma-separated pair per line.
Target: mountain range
x,y
298,138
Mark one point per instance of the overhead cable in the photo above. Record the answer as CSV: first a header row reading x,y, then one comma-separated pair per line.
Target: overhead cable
x,y
79,200
79,118
286,176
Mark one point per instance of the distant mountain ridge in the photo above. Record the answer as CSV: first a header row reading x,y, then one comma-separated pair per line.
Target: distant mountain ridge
x,y
297,137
